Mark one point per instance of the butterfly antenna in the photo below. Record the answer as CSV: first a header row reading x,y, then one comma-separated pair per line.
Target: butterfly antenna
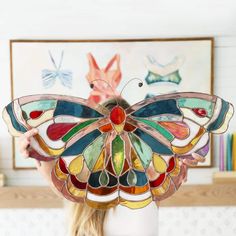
x,y
140,84
92,86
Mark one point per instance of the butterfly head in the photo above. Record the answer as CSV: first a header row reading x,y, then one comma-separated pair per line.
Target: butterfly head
x,y
117,105
117,113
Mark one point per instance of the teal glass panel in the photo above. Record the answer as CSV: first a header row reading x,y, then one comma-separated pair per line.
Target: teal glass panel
x,y
196,103
221,118
39,106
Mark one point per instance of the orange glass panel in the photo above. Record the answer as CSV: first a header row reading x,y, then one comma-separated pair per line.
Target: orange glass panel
x,y
99,165
189,146
163,188
135,189
102,190
106,128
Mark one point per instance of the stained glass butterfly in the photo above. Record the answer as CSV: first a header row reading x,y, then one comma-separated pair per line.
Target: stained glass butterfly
x,y
116,153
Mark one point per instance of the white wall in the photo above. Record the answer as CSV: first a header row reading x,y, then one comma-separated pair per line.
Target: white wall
x,y
94,19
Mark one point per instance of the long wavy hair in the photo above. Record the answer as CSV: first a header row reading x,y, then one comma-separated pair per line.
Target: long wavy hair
x,y
84,220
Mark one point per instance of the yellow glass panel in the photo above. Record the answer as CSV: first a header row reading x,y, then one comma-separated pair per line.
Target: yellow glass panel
x,y
136,161
48,150
100,162
119,128
102,205
176,170
189,146
75,192
163,188
76,165
135,205
159,163
59,174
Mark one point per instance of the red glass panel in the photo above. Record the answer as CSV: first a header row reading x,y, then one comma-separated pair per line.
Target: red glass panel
x,y
157,182
171,164
128,127
35,114
58,130
200,112
62,166
117,115
77,183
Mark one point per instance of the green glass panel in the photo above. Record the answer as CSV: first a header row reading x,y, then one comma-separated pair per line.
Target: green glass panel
x,y
142,149
92,152
39,106
76,129
196,103
24,115
159,128
131,178
104,178
118,154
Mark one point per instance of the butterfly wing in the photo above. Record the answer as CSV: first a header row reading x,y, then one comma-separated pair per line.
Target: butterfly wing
x,y
172,127
60,120
69,132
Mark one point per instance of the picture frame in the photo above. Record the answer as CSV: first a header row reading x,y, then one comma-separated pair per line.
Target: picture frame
x,y
34,65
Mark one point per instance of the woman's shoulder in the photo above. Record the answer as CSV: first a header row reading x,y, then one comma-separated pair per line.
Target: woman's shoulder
x,y
123,221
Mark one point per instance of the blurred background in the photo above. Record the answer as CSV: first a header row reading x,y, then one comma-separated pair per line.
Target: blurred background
x,y
28,207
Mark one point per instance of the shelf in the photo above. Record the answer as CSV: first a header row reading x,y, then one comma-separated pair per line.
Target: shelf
x,y
223,177
29,197
188,195
203,195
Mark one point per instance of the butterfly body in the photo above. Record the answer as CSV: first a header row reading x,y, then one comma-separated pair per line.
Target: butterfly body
x,y
128,155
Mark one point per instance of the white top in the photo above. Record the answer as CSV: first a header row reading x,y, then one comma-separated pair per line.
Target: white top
x,y
123,221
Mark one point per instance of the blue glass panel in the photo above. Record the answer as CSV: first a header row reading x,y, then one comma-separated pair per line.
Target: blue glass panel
x,y
75,109
94,179
123,179
79,146
141,178
154,144
14,121
158,108
112,180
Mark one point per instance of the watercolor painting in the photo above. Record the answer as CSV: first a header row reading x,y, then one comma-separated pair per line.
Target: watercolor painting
x,y
67,67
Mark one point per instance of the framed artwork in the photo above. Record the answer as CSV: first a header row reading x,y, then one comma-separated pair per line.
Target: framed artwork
x,y
66,67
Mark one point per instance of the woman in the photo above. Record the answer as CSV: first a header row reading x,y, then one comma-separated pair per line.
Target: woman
x,y
118,221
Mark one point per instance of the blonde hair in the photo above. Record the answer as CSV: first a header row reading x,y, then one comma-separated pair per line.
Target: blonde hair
x,y
86,221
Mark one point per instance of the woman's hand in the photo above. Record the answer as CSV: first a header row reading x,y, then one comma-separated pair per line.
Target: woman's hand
x,y
192,163
196,158
24,141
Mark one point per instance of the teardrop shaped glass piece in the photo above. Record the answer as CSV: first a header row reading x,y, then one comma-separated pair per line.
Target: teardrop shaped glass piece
x,y
104,178
131,178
